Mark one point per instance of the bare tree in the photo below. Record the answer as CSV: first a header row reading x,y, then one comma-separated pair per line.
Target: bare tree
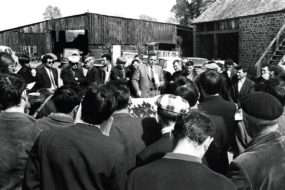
x,y
51,13
147,18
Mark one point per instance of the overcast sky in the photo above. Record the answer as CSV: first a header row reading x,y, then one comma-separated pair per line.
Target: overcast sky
x,y
15,13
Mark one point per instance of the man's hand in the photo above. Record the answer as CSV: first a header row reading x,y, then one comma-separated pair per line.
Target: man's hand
x,y
139,93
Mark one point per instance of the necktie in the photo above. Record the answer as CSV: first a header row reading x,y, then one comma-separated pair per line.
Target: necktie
x,y
52,79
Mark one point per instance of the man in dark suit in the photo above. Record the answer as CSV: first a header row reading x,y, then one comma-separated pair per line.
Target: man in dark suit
x,y
148,78
168,109
183,168
211,83
80,156
135,133
95,72
262,164
120,72
47,76
72,75
216,158
241,85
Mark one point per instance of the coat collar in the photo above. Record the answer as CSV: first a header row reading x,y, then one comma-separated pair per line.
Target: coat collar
x,y
274,136
212,98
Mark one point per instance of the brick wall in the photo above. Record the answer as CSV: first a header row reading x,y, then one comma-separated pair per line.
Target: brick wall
x,y
256,33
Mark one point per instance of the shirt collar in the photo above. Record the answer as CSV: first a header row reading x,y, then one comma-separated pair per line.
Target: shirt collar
x,y
183,157
167,129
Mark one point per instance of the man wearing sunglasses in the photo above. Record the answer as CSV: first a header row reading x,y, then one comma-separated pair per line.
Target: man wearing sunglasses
x,y
47,76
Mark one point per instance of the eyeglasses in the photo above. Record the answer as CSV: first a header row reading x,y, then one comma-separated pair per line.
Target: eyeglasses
x,y
50,62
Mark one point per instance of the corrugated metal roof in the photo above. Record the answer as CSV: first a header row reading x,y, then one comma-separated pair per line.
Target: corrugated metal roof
x,y
226,9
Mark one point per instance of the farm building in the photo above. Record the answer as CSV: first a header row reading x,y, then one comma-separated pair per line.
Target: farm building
x,y
248,31
88,31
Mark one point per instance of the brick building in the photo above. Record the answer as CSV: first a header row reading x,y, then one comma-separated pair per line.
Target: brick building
x,y
247,31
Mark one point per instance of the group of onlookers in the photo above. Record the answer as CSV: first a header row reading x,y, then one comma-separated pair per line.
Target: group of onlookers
x,y
90,140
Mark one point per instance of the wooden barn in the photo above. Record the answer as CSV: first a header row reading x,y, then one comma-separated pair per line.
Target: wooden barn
x,y
248,31
89,31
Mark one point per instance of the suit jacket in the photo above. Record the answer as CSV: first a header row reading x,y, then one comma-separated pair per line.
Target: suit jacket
x,y
116,74
155,151
141,80
247,87
18,132
95,74
134,133
77,157
262,165
43,80
177,171
216,105
69,79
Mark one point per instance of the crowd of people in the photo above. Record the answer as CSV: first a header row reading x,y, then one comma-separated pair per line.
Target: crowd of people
x,y
87,138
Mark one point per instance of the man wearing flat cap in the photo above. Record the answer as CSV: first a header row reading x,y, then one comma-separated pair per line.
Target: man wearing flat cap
x,y
73,75
169,107
262,164
120,72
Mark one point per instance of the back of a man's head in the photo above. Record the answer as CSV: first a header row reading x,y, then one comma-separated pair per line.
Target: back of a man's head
x,y
5,61
169,107
189,93
122,94
11,89
66,98
261,112
98,104
211,82
194,126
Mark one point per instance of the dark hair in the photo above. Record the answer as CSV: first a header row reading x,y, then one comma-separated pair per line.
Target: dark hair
x,y
11,88
133,61
98,105
167,116
175,61
46,57
151,53
239,67
195,126
122,93
66,98
229,62
24,59
189,63
211,82
140,56
108,57
275,70
189,93
265,65
220,65
275,87
5,61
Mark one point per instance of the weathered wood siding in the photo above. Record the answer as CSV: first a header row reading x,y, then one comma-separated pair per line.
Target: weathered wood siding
x,y
105,29
101,30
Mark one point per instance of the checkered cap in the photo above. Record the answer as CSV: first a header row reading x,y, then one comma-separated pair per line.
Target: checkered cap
x,y
173,103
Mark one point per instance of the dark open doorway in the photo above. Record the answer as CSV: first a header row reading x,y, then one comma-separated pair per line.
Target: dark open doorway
x,y
228,46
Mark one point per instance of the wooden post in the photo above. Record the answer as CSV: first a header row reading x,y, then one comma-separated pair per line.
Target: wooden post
x,y
277,42
215,46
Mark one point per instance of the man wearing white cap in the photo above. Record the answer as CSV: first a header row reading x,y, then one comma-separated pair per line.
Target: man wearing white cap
x,y
72,75
168,109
